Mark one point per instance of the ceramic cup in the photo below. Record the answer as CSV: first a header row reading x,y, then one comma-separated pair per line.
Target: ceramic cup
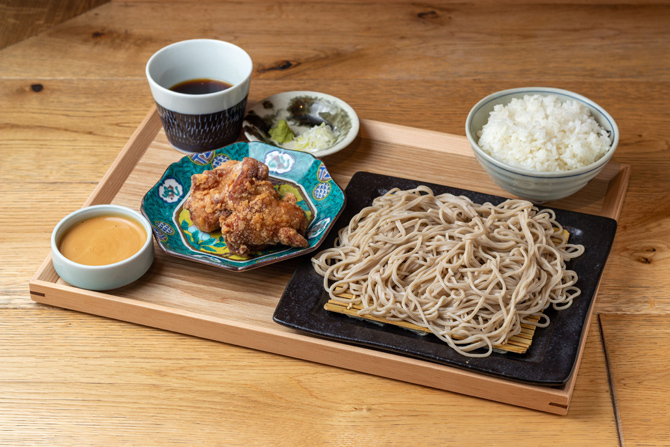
x,y
205,122
102,277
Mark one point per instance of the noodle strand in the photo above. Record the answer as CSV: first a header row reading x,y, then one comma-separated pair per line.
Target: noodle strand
x,y
470,273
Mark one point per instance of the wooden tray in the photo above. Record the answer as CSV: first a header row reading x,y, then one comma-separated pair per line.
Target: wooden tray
x,y
237,308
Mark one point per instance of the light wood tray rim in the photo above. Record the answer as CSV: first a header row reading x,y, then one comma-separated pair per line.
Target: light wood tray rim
x,y
44,288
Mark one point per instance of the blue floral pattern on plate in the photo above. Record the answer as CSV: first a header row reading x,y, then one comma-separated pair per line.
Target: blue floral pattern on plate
x,y
290,171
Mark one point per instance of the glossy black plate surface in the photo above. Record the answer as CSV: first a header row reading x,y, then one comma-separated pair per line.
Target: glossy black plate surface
x,y
553,353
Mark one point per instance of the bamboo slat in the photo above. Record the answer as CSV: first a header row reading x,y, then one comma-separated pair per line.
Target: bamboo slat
x,y
518,344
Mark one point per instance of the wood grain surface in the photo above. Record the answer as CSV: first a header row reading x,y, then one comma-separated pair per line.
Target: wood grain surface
x,y
73,94
639,375
113,383
21,19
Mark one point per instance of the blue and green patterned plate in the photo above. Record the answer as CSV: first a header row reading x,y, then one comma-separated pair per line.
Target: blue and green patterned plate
x,y
290,171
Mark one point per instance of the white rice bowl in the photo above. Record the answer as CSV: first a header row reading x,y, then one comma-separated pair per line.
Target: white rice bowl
x,y
543,133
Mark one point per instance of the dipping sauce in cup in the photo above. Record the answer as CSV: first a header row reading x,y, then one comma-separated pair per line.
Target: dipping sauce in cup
x,y
200,121
200,86
102,247
102,240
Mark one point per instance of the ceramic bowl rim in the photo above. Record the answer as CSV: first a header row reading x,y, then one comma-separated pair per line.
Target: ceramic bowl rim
x,y
540,174
92,211
226,92
346,141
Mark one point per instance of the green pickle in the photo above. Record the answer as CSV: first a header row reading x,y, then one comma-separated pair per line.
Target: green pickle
x,y
281,133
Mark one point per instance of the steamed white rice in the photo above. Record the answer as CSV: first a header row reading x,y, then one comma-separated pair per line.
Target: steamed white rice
x,y
543,133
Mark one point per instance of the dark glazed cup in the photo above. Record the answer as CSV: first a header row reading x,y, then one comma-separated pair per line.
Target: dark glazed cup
x,y
200,123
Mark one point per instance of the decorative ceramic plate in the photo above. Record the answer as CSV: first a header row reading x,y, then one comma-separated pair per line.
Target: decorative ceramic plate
x,y
290,171
552,355
302,111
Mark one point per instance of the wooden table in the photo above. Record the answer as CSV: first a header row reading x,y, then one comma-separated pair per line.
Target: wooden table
x,y
72,96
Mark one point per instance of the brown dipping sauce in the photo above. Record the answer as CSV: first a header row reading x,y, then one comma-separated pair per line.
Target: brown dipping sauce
x,y
200,86
102,240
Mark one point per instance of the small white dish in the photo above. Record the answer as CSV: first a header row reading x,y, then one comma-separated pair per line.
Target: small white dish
x,y
302,110
102,277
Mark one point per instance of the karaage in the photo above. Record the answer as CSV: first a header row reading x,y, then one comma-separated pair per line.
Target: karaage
x,y
239,198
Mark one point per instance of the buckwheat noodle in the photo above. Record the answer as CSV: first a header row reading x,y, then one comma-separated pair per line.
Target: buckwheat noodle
x,y
469,273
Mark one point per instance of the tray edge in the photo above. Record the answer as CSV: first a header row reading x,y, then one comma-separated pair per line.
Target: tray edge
x,y
550,400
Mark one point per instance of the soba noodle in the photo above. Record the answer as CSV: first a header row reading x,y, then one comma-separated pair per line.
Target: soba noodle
x,y
469,273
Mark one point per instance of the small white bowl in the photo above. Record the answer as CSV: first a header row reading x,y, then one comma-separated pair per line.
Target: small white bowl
x,y
534,185
302,110
102,277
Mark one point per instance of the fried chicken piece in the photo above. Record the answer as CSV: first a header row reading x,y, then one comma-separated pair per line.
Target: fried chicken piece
x,y
238,198
260,216
209,193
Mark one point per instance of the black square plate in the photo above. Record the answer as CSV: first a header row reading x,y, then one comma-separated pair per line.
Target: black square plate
x,y
553,353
